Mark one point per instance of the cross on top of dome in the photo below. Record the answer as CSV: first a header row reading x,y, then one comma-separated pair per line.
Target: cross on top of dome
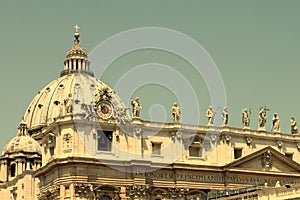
x,y
76,34
76,28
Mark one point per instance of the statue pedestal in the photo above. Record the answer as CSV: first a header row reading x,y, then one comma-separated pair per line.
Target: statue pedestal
x,y
275,132
136,120
225,128
176,125
261,129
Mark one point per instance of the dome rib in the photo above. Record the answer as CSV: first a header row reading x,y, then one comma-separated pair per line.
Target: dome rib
x,y
51,100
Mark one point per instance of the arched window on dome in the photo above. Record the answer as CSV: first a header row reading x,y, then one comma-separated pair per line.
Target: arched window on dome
x,y
105,198
12,170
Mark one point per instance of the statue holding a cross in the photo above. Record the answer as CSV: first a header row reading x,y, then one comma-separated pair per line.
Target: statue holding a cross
x,y
262,118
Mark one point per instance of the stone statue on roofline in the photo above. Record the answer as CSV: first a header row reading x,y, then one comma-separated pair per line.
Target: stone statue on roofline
x,y
225,116
262,119
176,113
276,123
245,118
210,116
294,128
136,108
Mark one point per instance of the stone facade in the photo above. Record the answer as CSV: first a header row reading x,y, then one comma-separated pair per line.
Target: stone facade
x,y
78,141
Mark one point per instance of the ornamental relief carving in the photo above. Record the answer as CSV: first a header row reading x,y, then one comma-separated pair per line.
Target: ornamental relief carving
x,y
175,134
90,191
84,190
53,192
226,138
248,141
120,115
137,191
279,144
147,192
67,143
267,160
104,94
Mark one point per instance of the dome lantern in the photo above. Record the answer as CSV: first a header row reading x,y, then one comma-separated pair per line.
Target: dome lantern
x,y
76,59
22,129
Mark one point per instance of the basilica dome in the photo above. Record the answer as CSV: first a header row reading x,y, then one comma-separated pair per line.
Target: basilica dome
x,y
74,92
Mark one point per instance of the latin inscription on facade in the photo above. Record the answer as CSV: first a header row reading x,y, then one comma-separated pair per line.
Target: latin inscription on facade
x,y
215,177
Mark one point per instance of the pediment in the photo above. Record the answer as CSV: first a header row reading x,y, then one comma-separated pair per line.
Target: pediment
x,y
266,159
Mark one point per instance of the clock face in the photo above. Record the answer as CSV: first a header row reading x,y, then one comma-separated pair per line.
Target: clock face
x,y
104,109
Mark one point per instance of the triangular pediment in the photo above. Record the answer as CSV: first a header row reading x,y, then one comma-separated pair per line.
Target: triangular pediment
x,y
266,159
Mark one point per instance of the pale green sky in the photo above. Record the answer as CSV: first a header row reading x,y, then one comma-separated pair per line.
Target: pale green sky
x,y
255,45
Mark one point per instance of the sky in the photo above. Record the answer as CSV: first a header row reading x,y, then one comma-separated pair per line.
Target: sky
x,y
255,46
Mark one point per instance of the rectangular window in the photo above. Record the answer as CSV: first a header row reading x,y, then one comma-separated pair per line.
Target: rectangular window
x,y
156,148
67,191
238,153
195,151
51,150
12,169
289,155
104,142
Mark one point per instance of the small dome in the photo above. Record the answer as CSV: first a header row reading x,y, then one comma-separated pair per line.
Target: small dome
x,y
22,144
